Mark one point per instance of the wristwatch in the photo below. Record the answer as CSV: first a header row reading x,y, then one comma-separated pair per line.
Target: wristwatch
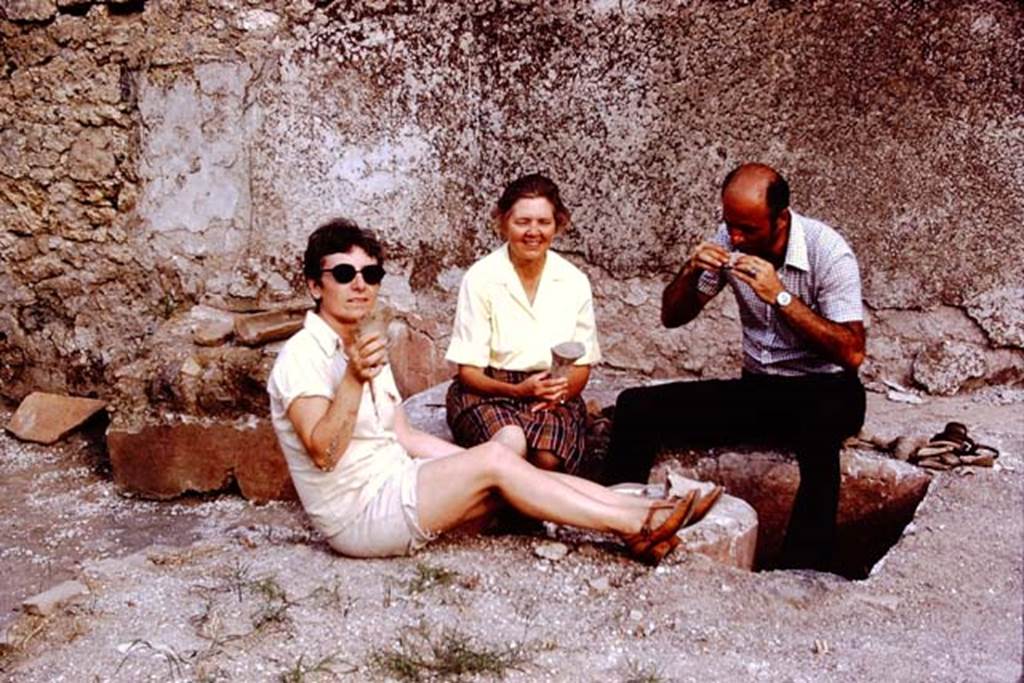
x,y
783,299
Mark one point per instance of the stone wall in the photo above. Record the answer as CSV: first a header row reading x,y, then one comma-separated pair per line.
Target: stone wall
x,y
161,163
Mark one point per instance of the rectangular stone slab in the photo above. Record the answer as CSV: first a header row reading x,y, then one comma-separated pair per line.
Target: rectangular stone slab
x,y
46,418
166,460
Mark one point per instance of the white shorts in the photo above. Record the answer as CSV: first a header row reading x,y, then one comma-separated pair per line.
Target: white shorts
x,y
389,525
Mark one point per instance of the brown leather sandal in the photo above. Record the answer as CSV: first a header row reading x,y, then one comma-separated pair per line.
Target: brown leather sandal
x,y
641,543
704,504
659,551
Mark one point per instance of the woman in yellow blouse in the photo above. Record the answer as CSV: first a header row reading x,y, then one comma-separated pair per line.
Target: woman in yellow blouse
x,y
514,305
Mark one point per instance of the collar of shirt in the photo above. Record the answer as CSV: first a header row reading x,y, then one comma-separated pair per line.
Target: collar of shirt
x,y
553,272
326,338
796,249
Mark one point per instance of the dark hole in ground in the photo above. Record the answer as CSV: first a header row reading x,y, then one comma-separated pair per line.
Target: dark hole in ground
x,y
878,498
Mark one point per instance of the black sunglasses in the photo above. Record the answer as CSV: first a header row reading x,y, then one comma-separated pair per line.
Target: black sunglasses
x,y
344,273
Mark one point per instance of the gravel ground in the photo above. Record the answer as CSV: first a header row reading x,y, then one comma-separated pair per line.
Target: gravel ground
x,y
217,589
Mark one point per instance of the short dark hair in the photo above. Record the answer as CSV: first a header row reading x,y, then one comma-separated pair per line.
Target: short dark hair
x,y
527,187
338,236
776,193
776,196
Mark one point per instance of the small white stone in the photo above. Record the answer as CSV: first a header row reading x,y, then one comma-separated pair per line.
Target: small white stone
x,y
553,551
257,20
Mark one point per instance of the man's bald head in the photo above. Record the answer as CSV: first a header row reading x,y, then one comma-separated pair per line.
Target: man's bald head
x,y
757,184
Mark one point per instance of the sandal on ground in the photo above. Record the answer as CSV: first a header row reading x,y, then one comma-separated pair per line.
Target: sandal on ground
x,y
952,447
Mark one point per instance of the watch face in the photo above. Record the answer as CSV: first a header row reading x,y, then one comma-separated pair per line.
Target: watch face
x,y
783,299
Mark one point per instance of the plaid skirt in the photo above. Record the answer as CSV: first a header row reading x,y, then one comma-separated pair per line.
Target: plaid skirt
x,y
474,419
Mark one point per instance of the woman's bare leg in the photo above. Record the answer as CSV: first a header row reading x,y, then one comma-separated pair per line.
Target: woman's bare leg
x,y
479,518
513,438
546,460
449,488
602,493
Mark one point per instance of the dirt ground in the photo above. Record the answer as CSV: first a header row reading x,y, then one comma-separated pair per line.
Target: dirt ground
x,y
216,589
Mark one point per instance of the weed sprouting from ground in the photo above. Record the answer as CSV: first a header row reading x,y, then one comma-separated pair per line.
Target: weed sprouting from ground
x,y
428,577
422,655
300,671
643,673
271,605
331,597
176,662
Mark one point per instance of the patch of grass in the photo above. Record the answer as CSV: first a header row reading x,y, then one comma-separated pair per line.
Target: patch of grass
x,y
300,672
643,673
422,655
428,577
273,603
332,597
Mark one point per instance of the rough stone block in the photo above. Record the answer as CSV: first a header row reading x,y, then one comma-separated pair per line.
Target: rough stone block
x,y
213,332
259,328
91,158
48,601
426,411
416,361
1000,312
45,418
30,10
877,497
166,460
943,367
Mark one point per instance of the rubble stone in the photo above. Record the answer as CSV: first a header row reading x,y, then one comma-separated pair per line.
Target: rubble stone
x,y
47,602
30,10
214,332
46,418
943,367
163,461
1000,312
259,328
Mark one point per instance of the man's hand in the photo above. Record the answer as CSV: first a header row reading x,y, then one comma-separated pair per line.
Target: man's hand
x,y
709,256
760,275
367,357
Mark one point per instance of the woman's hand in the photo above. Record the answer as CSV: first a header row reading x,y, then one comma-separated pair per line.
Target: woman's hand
x,y
367,357
545,388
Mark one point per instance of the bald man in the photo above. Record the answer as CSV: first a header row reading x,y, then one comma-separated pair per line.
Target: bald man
x,y
798,288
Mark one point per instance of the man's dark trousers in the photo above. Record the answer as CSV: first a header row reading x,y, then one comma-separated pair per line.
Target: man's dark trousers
x,y
812,414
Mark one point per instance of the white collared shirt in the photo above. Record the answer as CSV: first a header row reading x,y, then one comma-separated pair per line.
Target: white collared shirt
x,y
821,269
497,326
312,363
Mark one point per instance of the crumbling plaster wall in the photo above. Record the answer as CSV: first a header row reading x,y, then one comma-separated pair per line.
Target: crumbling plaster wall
x,y
159,155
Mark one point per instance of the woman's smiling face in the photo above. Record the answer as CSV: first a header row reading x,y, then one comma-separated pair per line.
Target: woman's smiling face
x,y
529,228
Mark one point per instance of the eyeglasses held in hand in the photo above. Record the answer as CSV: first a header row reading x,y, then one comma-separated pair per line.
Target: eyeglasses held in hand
x,y
344,273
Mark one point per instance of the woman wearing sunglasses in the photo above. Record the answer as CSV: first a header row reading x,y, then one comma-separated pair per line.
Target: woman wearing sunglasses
x,y
374,485
515,304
